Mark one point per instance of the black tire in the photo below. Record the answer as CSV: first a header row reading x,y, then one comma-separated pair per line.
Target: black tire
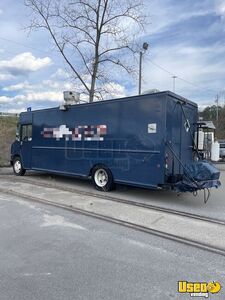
x,y
17,167
102,179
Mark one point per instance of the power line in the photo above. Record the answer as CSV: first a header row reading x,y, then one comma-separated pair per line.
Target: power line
x,y
178,77
160,67
25,46
170,73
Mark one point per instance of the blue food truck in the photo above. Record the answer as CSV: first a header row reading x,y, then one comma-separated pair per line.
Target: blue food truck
x,y
145,141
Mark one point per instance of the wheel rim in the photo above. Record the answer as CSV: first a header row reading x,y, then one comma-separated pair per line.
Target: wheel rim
x,y
17,166
101,177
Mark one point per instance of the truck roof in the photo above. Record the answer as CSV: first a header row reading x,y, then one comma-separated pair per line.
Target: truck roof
x,y
168,93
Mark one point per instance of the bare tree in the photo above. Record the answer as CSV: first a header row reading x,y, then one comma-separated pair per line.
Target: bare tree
x,y
91,35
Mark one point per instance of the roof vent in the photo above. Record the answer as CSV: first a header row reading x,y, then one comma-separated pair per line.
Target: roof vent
x,y
152,91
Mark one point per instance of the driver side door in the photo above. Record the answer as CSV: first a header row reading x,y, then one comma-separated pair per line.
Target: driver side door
x,y
26,145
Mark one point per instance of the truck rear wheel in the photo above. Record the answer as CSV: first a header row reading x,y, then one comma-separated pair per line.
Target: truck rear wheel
x,y
102,179
17,167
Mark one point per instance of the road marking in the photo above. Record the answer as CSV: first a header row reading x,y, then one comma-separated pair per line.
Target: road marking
x,y
36,274
56,220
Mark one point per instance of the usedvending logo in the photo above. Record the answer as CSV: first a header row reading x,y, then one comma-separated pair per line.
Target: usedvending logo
x,y
199,289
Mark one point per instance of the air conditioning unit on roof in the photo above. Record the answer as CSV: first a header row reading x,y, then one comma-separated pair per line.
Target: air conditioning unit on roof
x,y
71,97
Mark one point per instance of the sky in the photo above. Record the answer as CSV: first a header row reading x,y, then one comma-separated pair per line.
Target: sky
x,y
186,39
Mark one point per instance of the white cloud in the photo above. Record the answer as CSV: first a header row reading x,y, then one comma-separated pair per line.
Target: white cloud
x,y
113,90
45,85
58,85
6,77
17,87
16,110
60,74
220,8
38,100
24,63
39,97
4,99
49,93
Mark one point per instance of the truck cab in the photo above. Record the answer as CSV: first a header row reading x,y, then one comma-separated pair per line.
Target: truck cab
x,y
21,148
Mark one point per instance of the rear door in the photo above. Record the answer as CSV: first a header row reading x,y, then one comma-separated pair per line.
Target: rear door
x,y
181,117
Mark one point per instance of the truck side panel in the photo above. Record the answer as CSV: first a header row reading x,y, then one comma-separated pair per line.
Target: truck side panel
x,y
131,144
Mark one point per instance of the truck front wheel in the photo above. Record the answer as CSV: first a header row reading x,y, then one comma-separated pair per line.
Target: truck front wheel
x,y
17,167
102,179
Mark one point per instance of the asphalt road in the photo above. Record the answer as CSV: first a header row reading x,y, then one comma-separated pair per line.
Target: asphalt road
x,y
187,202
50,253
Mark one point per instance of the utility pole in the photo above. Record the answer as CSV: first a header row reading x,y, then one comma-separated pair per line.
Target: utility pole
x,y
140,72
217,110
174,83
145,47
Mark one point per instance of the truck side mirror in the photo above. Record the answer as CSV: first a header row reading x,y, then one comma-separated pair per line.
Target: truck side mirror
x,y
17,136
